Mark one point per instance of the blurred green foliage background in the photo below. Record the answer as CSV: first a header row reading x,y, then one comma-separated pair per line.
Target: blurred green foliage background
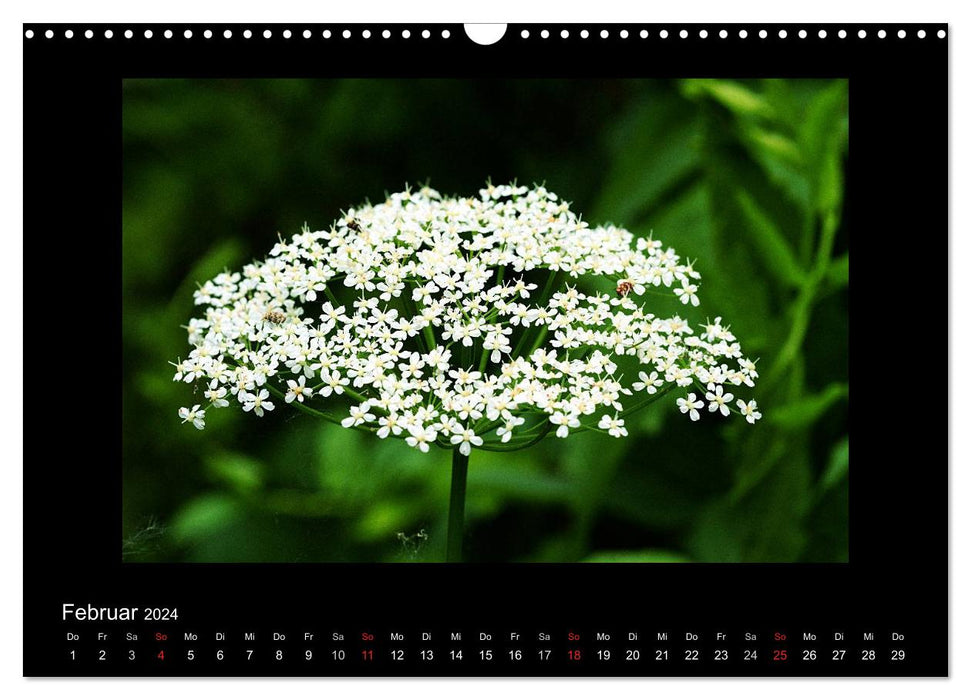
x,y
745,176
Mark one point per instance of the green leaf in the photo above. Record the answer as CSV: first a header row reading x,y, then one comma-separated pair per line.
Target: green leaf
x,y
735,281
686,224
652,149
383,520
205,516
838,272
644,556
785,168
807,410
838,465
774,145
769,242
770,447
734,96
822,140
829,186
241,473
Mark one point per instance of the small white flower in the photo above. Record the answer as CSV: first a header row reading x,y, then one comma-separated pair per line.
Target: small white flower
x,y
389,425
750,410
613,425
257,403
438,358
748,367
679,375
465,439
195,415
564,423
359,415
504,431
298,390
719,400
649,382
688,293
691,406
420,437
333,383
216,394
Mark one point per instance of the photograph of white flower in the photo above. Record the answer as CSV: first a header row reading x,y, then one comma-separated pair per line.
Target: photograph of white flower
x,y
436,290
519,358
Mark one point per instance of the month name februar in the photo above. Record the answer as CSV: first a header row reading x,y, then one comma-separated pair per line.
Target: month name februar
x,y
83,613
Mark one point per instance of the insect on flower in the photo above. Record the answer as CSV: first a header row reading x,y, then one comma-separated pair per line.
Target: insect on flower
x,y
276,317
624,287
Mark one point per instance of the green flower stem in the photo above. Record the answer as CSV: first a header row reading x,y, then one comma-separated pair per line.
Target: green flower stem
x,y
552,284
584,428
529,437
651,398
361,398
411,308
314,412
331,296
539,341
430,337
521,343
801,309
428,332
456,507
548,289
512,446
669,294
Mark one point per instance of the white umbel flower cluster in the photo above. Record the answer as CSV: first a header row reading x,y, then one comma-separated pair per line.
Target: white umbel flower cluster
x,y
460,322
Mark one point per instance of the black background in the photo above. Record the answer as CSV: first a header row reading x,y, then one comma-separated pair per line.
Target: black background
x,y
897,208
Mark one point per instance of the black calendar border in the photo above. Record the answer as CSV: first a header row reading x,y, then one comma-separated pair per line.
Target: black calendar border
x,y
72,191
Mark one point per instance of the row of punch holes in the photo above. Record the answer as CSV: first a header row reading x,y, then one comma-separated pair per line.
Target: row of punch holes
x,y
245,34
524,34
